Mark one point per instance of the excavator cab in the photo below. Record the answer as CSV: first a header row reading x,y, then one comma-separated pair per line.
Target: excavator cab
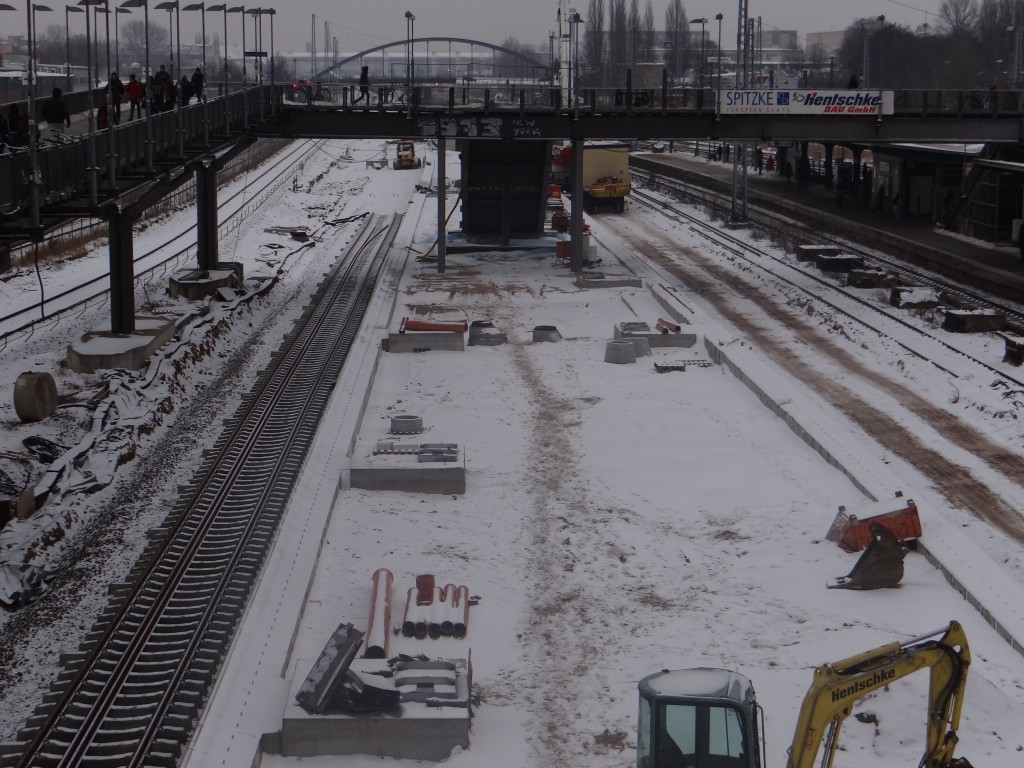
x,y
698,718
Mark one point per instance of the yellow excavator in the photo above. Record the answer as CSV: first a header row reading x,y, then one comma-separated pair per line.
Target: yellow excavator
x,y
709,718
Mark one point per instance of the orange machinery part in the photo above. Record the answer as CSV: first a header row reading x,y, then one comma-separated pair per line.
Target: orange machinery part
x,y
904,523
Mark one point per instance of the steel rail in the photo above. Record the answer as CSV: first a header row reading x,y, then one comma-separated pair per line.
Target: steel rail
x,y
65,301
738,246
172,630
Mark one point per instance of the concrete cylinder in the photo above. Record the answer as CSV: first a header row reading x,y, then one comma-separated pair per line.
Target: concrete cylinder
x,y
35,396
404,424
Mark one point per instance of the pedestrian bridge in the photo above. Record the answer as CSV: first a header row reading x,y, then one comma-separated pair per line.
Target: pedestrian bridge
x,y
109,169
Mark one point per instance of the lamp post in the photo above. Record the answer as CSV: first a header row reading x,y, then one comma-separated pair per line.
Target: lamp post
x,y
169,6
257,34
702,21
259,13
32,46
240,9
68,9
146,77
223,8
90,147
117,40
866,36
410,35
718,97
831,71
201,7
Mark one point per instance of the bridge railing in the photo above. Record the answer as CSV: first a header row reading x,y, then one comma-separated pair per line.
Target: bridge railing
x,y
64,170
540,96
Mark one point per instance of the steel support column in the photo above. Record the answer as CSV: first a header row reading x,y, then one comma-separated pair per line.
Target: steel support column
x,y
442,230
122,270
576,217
206,215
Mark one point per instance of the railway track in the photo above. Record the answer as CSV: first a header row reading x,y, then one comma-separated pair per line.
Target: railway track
x,y
902,260
132,696
888,322
232,211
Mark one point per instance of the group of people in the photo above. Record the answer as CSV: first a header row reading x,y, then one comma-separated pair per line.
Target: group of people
x,y
161,95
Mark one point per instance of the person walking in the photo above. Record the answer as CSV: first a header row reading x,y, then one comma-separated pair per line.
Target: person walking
x,y
199,85
135,92
55,113
897,209
185,90
880,199
163,90
364,86
3,131
116,96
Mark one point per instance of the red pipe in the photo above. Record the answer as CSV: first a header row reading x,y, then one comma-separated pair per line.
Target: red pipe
x,y
669,326
427,325
380,605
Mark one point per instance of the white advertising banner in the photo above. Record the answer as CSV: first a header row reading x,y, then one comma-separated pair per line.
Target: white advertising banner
x,y
813,102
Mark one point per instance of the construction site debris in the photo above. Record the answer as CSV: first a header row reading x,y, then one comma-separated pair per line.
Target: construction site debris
x,y
880,566
853,532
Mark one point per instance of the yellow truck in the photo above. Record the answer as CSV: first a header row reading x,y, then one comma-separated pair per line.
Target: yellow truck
x,y
605,176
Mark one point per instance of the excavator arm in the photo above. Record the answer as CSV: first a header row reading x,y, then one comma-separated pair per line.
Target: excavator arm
x,y
836,686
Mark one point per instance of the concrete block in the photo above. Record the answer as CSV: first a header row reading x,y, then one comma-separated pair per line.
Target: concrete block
x,y
424,341
812,252
601,280
838,262
200,283
403,471
973,320
418,731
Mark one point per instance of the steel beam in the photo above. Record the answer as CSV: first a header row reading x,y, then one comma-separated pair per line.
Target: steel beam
x,y
122,270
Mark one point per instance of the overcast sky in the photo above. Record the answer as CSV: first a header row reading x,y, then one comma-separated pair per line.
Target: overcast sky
x,y
363,25
358,26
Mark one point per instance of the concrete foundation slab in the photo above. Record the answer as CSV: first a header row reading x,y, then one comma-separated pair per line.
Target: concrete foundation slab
x,y
424,341
417,731
601,280
686,338
99,350
403,471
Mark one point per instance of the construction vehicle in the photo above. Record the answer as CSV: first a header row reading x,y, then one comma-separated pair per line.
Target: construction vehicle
x,y
606,180
405,156
709,718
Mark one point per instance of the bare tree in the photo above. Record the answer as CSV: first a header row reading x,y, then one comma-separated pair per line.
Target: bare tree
x,y
593,40
618,41
633,25
647,44
675,32
958,17
133,40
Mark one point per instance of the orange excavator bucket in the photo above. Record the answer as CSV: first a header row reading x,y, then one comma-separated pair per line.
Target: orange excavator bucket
x,y
881,565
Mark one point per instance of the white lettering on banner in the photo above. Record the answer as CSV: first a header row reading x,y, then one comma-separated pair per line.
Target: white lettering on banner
x,y
825,102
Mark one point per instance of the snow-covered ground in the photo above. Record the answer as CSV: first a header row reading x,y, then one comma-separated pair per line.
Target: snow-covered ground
x,y
617,521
